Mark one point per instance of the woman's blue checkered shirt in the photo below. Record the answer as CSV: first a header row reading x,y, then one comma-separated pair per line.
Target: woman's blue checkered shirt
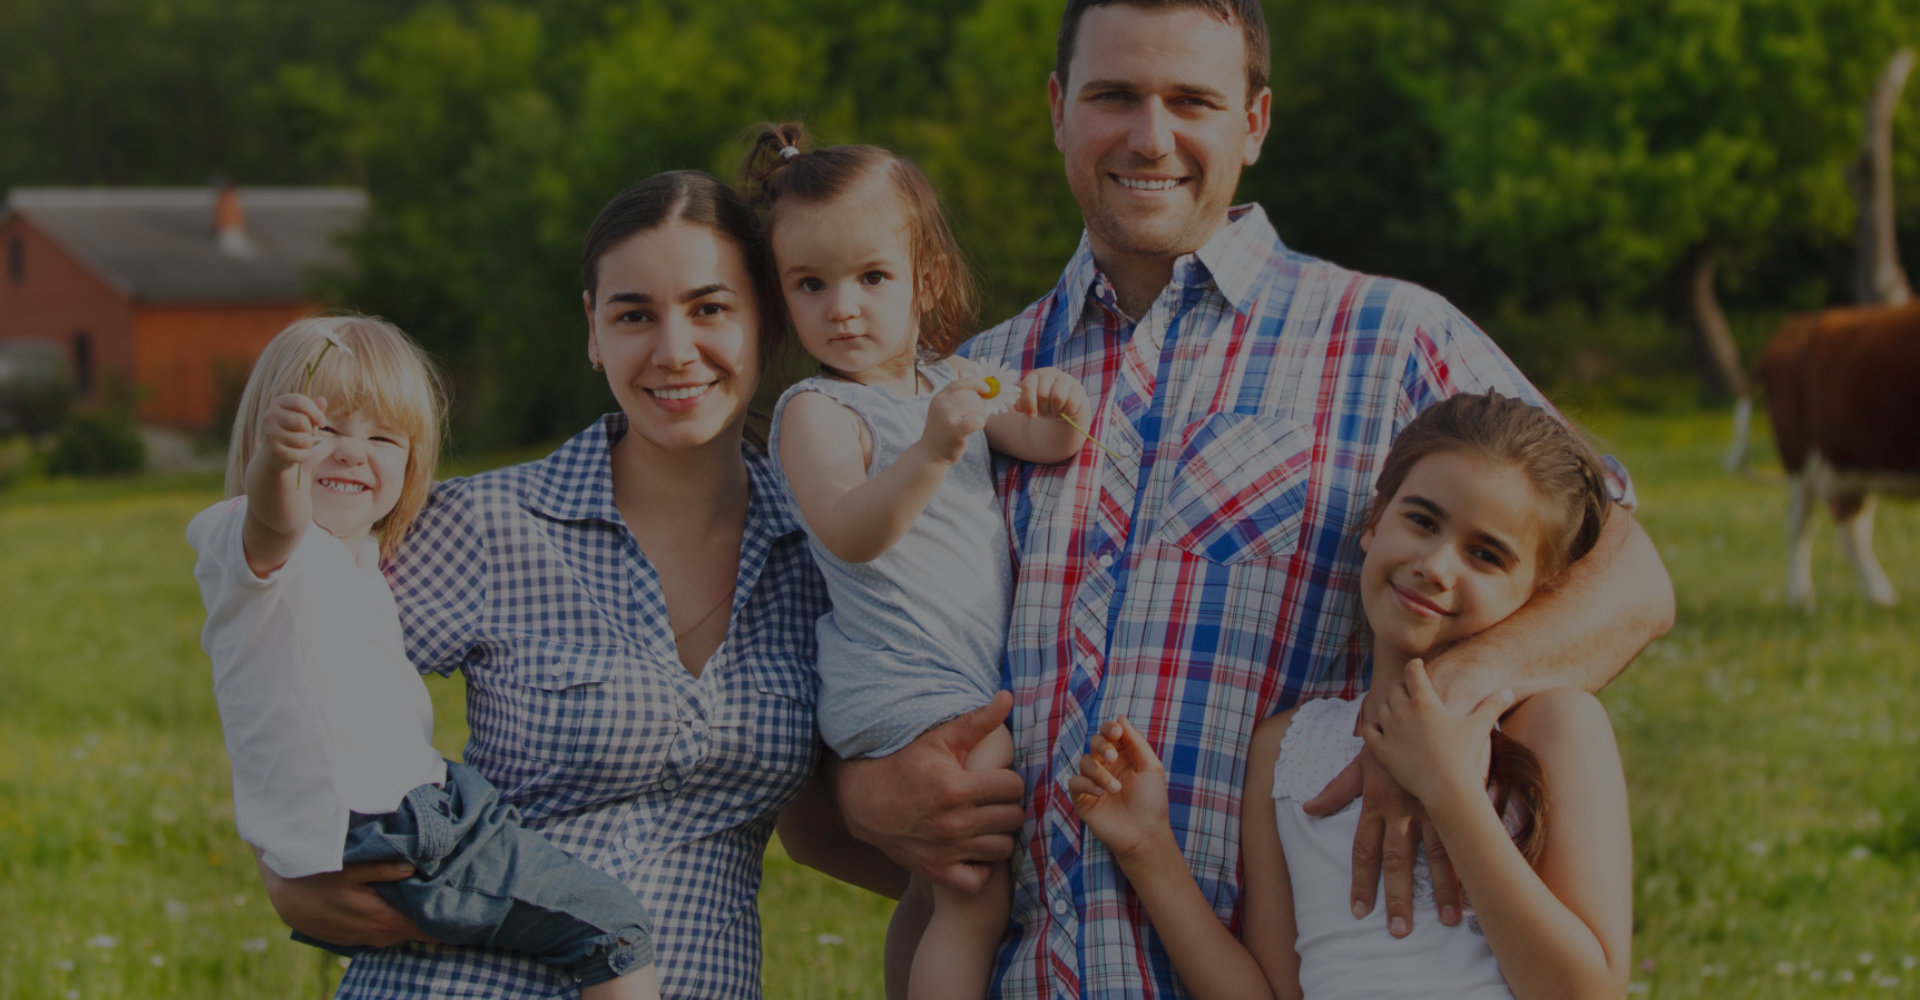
x,y
528,580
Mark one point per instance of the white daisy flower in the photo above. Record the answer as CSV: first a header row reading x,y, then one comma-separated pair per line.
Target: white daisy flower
x,y
1003,385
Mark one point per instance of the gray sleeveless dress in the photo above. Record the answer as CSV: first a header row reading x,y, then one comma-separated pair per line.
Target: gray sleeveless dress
x,y
918,635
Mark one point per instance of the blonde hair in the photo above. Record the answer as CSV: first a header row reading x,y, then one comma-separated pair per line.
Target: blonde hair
x,y
386,373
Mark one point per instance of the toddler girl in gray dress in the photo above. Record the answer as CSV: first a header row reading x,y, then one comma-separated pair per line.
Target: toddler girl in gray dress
x,y
885,453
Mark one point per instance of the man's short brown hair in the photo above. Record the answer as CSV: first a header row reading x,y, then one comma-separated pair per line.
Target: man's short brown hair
x,y
1245,13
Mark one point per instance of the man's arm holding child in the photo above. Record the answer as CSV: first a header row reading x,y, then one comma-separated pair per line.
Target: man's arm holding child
x,y
929,813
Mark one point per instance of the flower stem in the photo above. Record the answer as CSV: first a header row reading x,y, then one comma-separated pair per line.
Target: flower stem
x,y
1095,440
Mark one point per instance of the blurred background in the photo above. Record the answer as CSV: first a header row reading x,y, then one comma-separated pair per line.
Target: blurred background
x,y
1561,170
182,176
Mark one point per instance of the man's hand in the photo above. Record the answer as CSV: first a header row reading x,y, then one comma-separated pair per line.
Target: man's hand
x,y
1392,827
929,813
340,907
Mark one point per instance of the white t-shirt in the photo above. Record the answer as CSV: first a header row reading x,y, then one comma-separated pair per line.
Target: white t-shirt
x,y
322,711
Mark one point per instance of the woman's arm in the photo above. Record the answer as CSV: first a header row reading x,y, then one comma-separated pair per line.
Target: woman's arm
x,y
1033,431
1121,794
1564,930
858,518
340,907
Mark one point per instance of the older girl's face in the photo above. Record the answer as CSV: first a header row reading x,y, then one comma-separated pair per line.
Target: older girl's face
x,y
676,326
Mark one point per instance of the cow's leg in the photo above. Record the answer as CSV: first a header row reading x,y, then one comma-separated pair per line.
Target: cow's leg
x,y
1853,513
1800,490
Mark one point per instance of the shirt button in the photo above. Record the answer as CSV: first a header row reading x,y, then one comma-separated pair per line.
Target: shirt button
x,y
1060,907
671,784
1106,560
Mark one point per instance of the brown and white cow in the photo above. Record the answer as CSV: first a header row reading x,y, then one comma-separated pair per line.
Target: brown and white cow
x,y
1843,390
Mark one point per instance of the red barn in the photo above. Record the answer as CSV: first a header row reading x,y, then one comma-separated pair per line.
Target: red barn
x,y
166,290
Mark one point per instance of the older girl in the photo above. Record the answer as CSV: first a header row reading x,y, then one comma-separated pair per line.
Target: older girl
x,y
1482,501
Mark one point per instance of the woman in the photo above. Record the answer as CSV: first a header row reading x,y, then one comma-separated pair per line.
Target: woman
x,y
635,617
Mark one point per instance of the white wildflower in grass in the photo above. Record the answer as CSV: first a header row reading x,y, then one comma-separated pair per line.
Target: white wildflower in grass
x,y
240,900
1886,982
156,960
63,964
1866,958
1907,962
73,995
1639,988
1003,385
102,941
1756,847
1818,975
828,940
1783,968
253,945
176,910
1860,852
1843,976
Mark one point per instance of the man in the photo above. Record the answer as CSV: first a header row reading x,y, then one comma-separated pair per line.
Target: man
x,y
1205,578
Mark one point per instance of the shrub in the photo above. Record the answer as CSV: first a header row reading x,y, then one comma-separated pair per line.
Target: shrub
x,y
101,443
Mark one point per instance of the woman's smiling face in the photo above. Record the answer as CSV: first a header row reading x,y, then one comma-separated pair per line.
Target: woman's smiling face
x,y
676,325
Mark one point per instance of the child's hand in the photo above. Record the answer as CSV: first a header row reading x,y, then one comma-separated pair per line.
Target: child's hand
x,y
956,412
1050,392
291,433
1121,790
1430,749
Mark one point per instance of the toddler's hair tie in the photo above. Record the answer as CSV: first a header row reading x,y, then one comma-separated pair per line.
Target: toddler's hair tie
x,y
789,152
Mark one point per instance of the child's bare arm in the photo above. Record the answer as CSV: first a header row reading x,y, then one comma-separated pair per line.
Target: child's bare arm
x,y
1033,431
1121,794
278,504
1563,930
855,517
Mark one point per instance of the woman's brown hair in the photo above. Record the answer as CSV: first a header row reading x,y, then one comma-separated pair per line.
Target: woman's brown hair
x,y
781,167
1574,500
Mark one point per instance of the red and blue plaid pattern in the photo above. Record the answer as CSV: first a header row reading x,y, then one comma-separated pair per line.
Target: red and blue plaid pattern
x,y
1207,579
527,580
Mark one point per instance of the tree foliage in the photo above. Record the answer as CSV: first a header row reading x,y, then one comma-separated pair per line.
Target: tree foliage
x,y
1524,157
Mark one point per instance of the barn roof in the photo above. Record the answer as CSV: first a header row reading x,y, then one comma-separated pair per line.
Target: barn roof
x,y
160,245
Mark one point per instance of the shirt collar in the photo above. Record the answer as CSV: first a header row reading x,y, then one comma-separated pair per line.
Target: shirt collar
x,y
575,483
1234,260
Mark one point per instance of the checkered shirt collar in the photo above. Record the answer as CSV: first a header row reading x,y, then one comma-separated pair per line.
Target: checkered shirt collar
x,y
1233,261
575,483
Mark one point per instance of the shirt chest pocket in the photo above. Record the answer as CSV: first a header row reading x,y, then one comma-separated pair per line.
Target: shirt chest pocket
x,y
1240,489
586,708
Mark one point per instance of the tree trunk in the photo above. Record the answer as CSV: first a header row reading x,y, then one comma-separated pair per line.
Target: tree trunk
x,y
1710,330
1878,278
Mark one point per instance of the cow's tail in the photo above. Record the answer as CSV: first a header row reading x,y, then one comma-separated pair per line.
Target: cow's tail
x,y
1736,460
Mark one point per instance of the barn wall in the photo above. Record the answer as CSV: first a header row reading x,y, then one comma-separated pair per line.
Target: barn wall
x,y
54,298
183,353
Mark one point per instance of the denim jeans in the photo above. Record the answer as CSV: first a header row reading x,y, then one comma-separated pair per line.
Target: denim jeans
x,y
480,878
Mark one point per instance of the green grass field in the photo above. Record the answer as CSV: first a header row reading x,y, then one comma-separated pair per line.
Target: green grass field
x,y
1771,757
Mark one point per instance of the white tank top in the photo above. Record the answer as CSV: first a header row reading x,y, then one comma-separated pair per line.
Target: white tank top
x,y
1341,957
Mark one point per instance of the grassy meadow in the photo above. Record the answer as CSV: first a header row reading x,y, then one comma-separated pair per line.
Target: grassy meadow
x,y
1771,756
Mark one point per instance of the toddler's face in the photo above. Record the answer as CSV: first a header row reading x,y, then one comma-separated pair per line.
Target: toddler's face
x,y
846,272
358,483
1455,550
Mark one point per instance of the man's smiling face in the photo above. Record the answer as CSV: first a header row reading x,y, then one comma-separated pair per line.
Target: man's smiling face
x,y
1155,122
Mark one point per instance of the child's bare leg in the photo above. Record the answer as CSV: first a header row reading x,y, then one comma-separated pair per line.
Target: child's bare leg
x,y
904,932
955,957
641,985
